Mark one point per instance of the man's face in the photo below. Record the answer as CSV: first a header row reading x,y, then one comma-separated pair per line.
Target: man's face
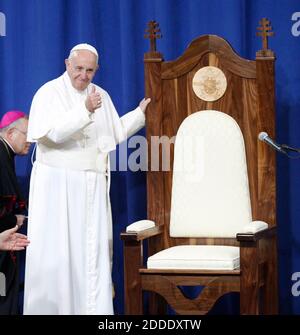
x,y
81,69
17,138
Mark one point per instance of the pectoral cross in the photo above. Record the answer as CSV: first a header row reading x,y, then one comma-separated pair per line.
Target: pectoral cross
x,y
152,34
265,32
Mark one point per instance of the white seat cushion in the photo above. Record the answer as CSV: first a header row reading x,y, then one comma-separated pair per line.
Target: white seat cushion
x,y
210,257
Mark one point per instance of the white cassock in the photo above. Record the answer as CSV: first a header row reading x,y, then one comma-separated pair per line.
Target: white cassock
x,y
68,262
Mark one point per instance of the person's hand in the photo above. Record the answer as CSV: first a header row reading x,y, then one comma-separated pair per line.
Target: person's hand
x,y
93,100
20,219
11,240
143,104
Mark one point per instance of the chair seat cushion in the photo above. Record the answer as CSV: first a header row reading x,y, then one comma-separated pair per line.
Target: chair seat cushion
x,y
203,257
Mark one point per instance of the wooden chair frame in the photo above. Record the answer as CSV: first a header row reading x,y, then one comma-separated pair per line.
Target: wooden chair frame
x,y
250,100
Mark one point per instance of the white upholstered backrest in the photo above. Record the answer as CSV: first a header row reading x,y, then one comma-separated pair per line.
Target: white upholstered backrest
x,y
210,190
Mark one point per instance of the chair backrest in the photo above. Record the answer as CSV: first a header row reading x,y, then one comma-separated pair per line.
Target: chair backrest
x,y
210,189
248,99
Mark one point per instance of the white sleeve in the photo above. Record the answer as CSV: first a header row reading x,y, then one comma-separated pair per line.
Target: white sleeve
x,y
47,120
133,121
67,127
111,129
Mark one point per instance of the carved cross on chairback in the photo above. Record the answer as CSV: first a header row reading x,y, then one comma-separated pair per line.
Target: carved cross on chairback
x,y
265,31
152,32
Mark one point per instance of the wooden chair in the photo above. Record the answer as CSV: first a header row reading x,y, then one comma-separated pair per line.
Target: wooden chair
x,y
231,190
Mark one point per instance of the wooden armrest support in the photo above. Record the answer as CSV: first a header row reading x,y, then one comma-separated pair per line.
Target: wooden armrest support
x,y
142,235
250,237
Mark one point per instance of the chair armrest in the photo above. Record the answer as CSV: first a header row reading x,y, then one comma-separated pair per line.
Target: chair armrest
x,y
254,227
141,235
253,237
139,226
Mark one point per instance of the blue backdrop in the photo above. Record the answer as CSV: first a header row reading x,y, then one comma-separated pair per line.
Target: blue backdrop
x,y
36,36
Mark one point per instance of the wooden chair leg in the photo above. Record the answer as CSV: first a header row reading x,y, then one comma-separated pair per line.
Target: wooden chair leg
x,y
270,301
132,282
249,290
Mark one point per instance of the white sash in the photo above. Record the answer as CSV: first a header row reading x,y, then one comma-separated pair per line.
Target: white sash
x,y
87,159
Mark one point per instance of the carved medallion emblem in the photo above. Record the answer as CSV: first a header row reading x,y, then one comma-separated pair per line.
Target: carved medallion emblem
x,y
209,83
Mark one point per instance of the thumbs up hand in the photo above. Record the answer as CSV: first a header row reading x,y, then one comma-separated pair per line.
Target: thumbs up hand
x,y
93,100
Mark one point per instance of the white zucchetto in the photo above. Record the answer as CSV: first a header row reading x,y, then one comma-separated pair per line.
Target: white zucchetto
x,y
85,46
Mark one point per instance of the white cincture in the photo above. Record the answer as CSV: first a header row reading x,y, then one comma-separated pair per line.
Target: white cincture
x,y
87,159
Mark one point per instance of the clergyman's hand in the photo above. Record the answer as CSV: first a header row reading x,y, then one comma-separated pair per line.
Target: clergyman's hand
x,y
143,104
11,240
93,100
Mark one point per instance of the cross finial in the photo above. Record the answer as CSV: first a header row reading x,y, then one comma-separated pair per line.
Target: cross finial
x,y
152,34
265,31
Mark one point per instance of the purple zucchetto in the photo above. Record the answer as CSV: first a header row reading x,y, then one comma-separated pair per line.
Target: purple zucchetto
x,y
10,117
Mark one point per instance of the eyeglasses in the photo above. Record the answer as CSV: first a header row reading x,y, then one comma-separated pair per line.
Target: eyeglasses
x,y
21,131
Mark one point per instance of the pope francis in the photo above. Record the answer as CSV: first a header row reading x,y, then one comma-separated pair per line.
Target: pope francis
x,y
75,126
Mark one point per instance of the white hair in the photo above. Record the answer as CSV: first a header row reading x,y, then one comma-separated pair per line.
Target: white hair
x,y
13,125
